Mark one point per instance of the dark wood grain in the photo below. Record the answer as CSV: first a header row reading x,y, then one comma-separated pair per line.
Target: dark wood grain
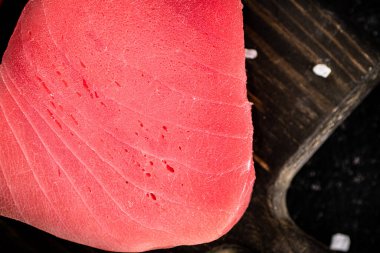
x,y
295,109
294,112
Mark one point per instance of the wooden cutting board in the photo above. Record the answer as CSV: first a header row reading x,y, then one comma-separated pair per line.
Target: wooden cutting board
x,y
295,110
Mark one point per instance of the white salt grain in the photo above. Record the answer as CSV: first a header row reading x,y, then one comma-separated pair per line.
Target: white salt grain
x,y
322,70
250,54
340,242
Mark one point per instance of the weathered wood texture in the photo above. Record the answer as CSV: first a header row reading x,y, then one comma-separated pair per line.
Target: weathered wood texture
x,y
294,112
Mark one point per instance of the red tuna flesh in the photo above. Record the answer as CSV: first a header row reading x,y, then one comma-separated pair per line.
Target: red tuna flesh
x,y
124,125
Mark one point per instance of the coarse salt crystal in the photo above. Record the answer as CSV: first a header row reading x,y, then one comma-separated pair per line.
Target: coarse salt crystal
x,y
340,242
250,54
322,70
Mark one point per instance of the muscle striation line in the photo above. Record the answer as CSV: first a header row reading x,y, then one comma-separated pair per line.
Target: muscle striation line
x,y
98,181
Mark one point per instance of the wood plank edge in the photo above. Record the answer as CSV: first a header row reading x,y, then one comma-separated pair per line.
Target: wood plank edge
x,y
280,183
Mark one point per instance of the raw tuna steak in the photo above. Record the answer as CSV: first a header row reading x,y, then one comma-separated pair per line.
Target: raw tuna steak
x,y
124,125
